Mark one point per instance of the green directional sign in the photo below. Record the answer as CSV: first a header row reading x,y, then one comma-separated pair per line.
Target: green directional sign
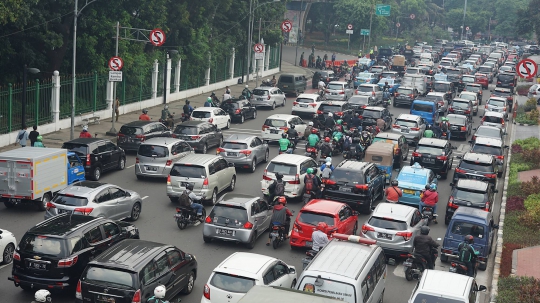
x,y
382,10
364,32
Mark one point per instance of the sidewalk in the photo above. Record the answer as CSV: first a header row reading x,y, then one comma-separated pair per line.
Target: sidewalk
x,y
56,139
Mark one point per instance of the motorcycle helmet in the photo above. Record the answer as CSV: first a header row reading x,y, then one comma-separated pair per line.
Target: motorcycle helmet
x,y
394,183
160,291
424,230
310,123
328,159
322,227
213,94
247,86
292,126
427,187
39,138
469,239
189,186
284,135
267,80
339,128
327,139
386,82
282,200
166,107
339,121
279,176
85,128
145,111
42,295
428,126
187,101
330,115
209,99
314,131
309,171
433,186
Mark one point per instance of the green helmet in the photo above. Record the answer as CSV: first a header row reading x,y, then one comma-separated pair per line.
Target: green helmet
x,y
444,119
39,138
339,121
209,99
310,171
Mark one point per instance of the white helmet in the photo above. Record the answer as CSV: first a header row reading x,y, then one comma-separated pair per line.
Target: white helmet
x,y
268,80
166,107
328,159
42,295
85,128
310,123
330,115
159,291
247,86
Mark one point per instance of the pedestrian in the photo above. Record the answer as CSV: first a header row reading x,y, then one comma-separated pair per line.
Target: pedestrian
x,y
228,90
22,137
117,108
333,58
33,135
39,142
85,133
313,48
302,59
359,54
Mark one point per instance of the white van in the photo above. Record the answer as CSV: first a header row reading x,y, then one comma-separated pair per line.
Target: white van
x,y
434,287
352,270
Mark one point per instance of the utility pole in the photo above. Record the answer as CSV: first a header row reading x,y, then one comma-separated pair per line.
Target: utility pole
x,y
464,13
370,22
250,34
73,76
298,31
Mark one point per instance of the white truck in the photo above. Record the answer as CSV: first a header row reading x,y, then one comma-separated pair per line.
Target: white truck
x,y
35,174
417,81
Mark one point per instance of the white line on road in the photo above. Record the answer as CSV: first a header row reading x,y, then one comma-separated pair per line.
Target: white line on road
x,y
130,166
4,266
144,197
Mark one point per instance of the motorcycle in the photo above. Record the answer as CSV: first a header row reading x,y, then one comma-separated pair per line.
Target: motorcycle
x,y
169,122
277,234
337,146
310,254
311,152
415,265
460,268
185,117
187,216
427,213
353,154
310,195
322,94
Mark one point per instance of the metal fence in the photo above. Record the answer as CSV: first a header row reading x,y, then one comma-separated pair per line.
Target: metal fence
x,y
90,94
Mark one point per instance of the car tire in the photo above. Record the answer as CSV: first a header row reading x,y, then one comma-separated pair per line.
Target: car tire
x,y
228,124
285,101
121,163
444,258
96,173
189,286
174,199
266,156
273,105
253,165
42,205
7,254
293,284
135,212
446,220
204,149
367,210
254,115
355,228
213,199
233,184
242,119
8,204
220,141
207,239
251,243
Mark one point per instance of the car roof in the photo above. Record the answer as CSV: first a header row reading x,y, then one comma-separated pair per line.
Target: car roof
x,y
86,141
139,123
472,184
290,158
497,98
83,188
308,96
394,211
466,93
489,141
205,109
433,141
461,99
335,102
407,117
474,84
420,101
282,117
164,141
323,206
470,156
415,169
130,254
392,136
237,199
379,108
62,225
436,94
337,82
244,264
239,138
494,114
350,164
436,282
488,127
201,159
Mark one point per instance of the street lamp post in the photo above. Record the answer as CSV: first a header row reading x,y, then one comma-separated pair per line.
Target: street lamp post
x,y
25,80
250,32
298,31
167,52
464,13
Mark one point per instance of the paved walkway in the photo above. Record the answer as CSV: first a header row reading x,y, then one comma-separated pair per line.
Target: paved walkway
x,y
525,262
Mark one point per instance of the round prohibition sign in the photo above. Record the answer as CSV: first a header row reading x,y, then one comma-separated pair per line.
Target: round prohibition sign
x,y
116,63
258,48
527,68
286,26
157,37
349,27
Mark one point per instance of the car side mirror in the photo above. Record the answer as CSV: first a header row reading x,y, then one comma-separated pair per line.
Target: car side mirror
x,y
482,288
474,128
189,257
128,194
495,226
506,146
292,270
495,191
451,184
438,177
459,157
355,213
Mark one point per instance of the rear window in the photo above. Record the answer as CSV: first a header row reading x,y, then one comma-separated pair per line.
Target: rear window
x,y
468,97
365,89
305,100
460,104
453,71
330,108
469,196
432,150
77,148
406,123
456,120
441,87
492,119
201,114
488,132
505,77
466,228
377,69
387,223
347,176
35,244
359,100
333,86
131,131
412,71
404,91
275,123
423,107
230,105
471,165
468,79
371,113
432,98
70,200
486,149
154,151
286,169
313,218
227,214
234,145
260,92
498,103
188,171
484,69
286,79
232,283
186,130
106,276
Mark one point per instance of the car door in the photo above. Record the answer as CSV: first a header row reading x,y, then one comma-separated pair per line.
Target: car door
x,y
108,207
256,149
378,93
114,154
299,125
209,133
416,223
179,272
281,275
225,118
225,173
213,177
123,201
376,178
113,232
266,212
218,120
163,274
96,240
104,156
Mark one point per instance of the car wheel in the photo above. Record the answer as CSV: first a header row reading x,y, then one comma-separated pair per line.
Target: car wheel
x,y
139,177
274,105
8,253
189,286
285,100
444,258
122,163
42,205
233,183
355,228
213,199
204,149
382,298
293,284
228,124
254,114
367,209
242,119
174,199
253,165
266,156
135,212
96,174
8,204
251,243
446,220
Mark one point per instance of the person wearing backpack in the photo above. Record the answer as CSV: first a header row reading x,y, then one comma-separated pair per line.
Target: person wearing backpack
x,y
467,254
277,188
187,199
311,182
22,137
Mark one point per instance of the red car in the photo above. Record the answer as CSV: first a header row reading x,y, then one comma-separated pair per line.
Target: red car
x,y
339,216
482,79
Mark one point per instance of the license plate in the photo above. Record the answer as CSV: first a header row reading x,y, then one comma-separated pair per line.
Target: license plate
x,y
334,94
453,269
274,234
345,189
185,184
40,266
260,99
232,154
429,160
178,215
273,131
409,191
309,243
407,264
104,299
303,105
64,211
459,112
384,236
227,232
406,130
151,168
14,200
285,86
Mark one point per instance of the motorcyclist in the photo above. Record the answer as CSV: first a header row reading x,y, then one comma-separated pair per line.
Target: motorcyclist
x,y
313,139
347,118
277,188
430,198
428,133
196,206
293,135
320,120
42,296
328,163
215,99
307,132
445,127
166,117
159,295
467,254
282,216
321,85
393,193
246,92
358,148
423,244
285,145
319,237
187,108
208,102
356,121
329,121
326,172
326,147
381,123
436,130
274,81
386,91
310,178
144,116
365,138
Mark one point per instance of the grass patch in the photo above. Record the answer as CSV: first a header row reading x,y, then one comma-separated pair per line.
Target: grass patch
x,y
518,289
515,231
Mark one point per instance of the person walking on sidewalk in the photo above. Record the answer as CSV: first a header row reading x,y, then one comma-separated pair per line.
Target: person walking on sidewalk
x,y
33,135
22,137
333,58
39,142
116,108
301,59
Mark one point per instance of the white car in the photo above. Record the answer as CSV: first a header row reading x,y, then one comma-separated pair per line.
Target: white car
x,y
275,125
293,168
214,115
236,275
473,97
7,246
306,105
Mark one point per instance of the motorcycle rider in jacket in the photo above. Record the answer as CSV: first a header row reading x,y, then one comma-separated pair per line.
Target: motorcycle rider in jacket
x,y
282,215
423,245
285,146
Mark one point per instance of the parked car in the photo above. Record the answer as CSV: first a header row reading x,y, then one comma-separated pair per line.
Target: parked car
x,y
8,242
470,193
293,168
99,155
131,135
156,156
200,135
476,166
239,109
275,125
410,126
244,151
435,154
213,115
268,97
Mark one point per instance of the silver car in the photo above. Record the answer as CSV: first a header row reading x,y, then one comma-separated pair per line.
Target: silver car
x,y
492,132
411,126
372,90
238,218
96,199
394,226
244,151
534,92
498,105
156,156
339,91
268,97
209,175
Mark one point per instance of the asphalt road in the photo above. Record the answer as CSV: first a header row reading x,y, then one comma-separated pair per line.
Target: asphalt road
x,y
157,224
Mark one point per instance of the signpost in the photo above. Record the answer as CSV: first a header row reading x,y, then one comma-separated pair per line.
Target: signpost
x,y
116,63
286,26
349,32
382,10
157,37
115,76
364,32
527,68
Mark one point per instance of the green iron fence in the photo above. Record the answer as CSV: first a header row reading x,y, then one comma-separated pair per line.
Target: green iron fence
x,y
135,88
220,70
238,66
90,94
274,56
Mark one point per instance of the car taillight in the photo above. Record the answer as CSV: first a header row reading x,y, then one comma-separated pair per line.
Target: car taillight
x,y
415,128
397,94
339,113
319,112
238,111
486,208
78,291
88,160
168,163
248,225
361,186
83,210
220,150
16,256
441,103
411,96
366,228
137,297
498,82
67,262
467,111
245,152
373,93
169,180
329,182
211,120
396,126
205,183
50,205
295,103
327,91
208,220
490,175
285,129
297,227
511,84
195,137
451,203
443,158
264,127
500,157
265,176
296,180
313,104
463,128
206,292
120,135
460,171
405,234
451,109
416,155
140,137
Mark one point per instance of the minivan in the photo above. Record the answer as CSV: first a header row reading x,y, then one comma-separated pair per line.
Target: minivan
x,y
425,109
434,287
156,156
292,83
353,271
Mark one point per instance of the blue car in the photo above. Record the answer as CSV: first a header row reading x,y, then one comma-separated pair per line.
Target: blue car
x,y
365,78
425,109
75,168
470,221
394,84
412,180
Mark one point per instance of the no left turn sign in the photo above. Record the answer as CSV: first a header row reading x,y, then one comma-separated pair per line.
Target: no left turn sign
x,y
116,63
527,68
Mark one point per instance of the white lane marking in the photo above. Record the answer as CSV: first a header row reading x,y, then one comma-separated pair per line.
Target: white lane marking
x,y
144,197
130,166
4,266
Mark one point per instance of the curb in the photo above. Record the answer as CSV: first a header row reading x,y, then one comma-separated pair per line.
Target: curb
x,y
524,124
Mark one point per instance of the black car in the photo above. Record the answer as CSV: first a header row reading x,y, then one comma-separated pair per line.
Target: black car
x,y
358,184
454,75
507,80
131,270
475,166
131,135
358,102
460,126
337,108
54,253
372,113
470,193
435,154
461,106
200,135
239,109
405,96
325,75
98,155
444,87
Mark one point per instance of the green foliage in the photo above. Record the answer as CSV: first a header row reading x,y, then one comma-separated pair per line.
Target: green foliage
x,y
530,104
532,202
515,231
533,115
518,289
528,144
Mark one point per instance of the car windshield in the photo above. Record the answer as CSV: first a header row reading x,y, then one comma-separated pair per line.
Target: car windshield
x,y
423,298
260,92
456,120
452,71
188,171
232,283
492,119
359,100
468,97
363,76
365,89
469,196
334,86
36,244
484,69
460,104
283,168
186,130
346,176
444,87
153,151
487,149
405,91
223,214
69,200
330,108
488,132
313,218
377,69
428,149
406,123
421,107
77,148
473,88
234,145
387,223
201,114
106,276
468,79
371,113
498,103
476,166
275,123
466,228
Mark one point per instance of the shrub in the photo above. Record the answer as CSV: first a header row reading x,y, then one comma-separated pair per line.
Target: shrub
x,y
514,204
517,232
533,115
523,118
530,104
531,189
523,89
531,156
506,258
529,143
516,149
518,289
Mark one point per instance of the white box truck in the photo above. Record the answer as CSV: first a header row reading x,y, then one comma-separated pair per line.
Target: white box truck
x,y
417,81
34,174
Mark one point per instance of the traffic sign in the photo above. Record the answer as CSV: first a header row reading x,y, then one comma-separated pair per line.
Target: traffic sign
x,y
349,31
115,76
349,26
382,10
116,63
157,37
286,26
258,48
398,25
364,32
467,28
527,68
259,56
412,16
